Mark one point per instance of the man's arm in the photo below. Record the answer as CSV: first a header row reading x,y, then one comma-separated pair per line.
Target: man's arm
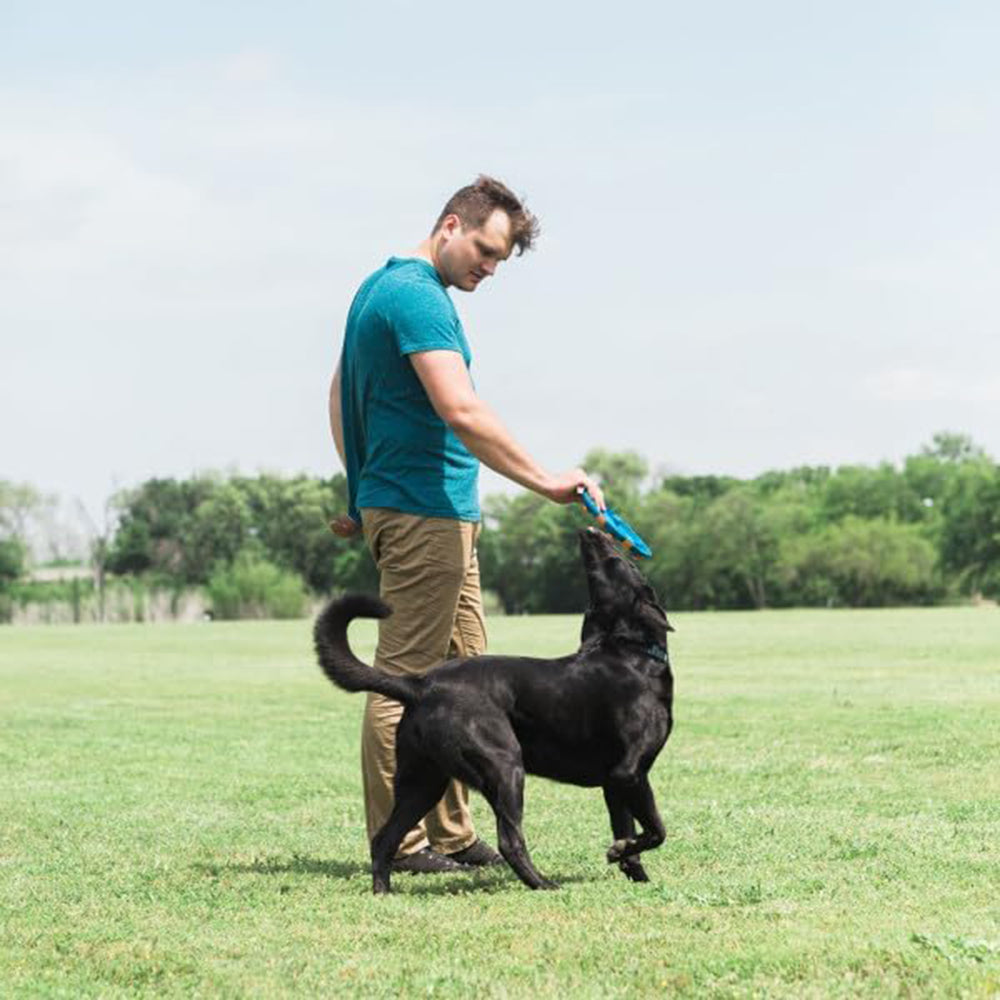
x,y
446,380
343,525
336,420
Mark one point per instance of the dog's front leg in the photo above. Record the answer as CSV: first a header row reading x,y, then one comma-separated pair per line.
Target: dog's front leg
x,y
623,830
638,797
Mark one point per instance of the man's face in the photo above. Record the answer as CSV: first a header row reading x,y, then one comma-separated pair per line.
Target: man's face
x,y
467,256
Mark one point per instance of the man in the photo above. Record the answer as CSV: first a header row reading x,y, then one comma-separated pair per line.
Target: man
x,y
411,432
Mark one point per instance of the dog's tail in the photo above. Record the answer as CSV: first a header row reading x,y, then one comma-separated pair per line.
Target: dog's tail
x,y
341,665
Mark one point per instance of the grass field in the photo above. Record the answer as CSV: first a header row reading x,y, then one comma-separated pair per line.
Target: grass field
x,y
180,815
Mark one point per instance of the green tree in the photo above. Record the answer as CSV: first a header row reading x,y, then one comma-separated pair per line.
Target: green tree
x,y
291,519
11,561
183,530
747,537
970,532
154,527
701,489
870,493
19,503
948,446
11,569
682,568
863,563
217,531
529,555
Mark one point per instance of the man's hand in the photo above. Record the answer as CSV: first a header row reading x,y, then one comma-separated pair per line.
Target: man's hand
x,y
565,488
344,526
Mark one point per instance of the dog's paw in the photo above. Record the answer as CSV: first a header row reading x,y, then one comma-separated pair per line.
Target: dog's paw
x,y
633,870
547,883
618,851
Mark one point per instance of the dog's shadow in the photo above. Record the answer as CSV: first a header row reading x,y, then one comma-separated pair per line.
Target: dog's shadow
x,y
486,880
489,880
296,865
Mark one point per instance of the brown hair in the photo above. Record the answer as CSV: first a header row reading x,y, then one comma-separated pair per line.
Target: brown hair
x,y
475,203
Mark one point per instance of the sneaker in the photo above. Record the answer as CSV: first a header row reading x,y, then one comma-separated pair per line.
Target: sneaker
x,y
428,862
478,853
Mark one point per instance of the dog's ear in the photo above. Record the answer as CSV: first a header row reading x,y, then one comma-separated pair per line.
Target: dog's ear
x,y
652,617
650,595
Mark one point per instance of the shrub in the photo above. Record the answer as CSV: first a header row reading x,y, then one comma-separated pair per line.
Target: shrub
x,y
863,563
252,587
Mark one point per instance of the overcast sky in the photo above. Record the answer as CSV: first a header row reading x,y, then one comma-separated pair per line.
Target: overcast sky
x,y
771,231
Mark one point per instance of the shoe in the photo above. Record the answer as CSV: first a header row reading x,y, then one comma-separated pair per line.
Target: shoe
x,y
428,862
478,854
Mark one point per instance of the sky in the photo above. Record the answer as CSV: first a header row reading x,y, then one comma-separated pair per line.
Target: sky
x,y
770,231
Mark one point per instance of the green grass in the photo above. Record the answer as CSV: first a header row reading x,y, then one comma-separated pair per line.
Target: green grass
x,y
180,815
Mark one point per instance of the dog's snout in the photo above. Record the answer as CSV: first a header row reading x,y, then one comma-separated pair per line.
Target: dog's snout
x,y
596,538
592,541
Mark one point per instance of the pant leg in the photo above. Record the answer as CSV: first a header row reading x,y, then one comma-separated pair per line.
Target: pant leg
x,y
469,634
449,825
423,564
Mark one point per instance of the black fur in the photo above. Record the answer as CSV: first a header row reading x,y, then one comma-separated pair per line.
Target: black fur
x,y
597,718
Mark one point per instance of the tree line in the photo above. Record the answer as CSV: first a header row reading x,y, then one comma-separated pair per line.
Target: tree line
x,y
922,532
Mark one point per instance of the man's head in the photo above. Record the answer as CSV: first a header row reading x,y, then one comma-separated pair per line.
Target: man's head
x,y
479,227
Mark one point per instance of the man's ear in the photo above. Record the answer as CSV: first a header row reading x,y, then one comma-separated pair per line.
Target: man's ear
x,y
450,225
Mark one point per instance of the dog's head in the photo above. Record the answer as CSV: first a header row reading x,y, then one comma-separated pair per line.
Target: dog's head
x,y
622,603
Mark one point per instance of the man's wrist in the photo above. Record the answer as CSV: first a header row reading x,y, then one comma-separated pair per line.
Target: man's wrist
x,y
547,486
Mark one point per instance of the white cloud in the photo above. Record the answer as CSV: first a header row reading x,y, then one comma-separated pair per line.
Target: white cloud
x,y
76,202
196,192
250,66
919,385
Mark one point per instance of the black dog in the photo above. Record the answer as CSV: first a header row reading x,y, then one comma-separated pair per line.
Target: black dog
x,y
598,717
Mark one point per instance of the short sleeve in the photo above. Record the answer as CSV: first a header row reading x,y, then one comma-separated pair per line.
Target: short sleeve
x,y
422,318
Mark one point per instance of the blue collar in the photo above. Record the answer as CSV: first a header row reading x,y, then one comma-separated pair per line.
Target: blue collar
x,y
652,649
657,652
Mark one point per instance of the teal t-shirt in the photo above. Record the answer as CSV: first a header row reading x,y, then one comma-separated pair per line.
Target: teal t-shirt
x,y
400,453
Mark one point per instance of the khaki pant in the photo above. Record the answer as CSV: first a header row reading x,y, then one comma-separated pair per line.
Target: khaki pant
x,y
429,575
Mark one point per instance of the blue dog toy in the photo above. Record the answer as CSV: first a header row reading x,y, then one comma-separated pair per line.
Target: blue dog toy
x,y
616,526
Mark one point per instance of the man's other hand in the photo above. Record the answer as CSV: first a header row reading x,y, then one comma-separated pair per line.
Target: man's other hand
x,y
344,526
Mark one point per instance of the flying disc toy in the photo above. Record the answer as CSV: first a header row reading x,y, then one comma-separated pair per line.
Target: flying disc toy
x,y
617,527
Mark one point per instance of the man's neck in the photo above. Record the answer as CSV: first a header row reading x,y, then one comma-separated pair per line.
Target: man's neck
x,y
426,250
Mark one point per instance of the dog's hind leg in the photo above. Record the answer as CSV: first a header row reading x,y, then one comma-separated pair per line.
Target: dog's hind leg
x,y
623,830
638,797
503,788
418,787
